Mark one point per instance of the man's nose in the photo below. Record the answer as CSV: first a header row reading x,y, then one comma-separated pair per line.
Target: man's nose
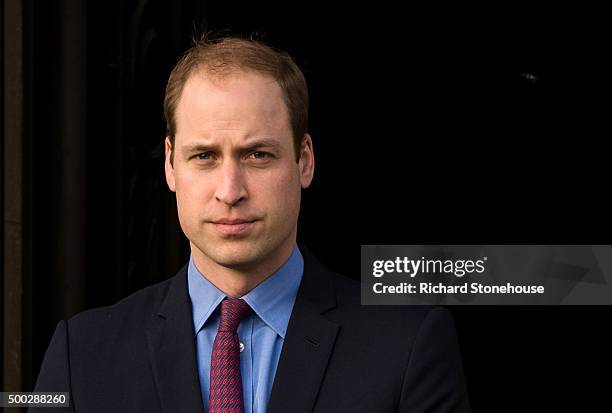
x,y
231,186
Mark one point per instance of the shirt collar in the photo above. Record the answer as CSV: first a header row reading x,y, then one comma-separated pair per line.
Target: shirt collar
x,y
272,300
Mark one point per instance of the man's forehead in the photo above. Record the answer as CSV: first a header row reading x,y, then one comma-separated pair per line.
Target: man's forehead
x,y
230,78
248,92
246,101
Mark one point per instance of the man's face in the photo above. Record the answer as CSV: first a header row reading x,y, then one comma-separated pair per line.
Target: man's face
x,y
234,170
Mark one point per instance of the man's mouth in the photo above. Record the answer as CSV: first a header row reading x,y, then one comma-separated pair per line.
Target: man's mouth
x,y
235,226
234,221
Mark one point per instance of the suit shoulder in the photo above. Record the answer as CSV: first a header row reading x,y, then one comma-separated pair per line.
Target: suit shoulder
x,y
133,309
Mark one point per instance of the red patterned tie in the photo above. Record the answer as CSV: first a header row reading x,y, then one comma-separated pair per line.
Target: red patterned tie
x,y
225,394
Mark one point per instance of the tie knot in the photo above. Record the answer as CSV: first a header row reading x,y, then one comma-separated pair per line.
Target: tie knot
x,y
233,310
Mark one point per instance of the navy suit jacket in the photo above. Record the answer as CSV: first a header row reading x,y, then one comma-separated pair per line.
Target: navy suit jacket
x,y
338,356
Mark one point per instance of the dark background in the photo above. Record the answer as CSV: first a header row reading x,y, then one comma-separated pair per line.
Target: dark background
x,y
465,124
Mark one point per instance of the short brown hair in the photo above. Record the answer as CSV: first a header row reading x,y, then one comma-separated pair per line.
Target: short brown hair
x,y
222,56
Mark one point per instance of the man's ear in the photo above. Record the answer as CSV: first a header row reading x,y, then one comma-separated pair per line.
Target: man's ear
x,y
169,165
307,161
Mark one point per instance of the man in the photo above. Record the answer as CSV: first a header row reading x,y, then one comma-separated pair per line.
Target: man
x,y
253,323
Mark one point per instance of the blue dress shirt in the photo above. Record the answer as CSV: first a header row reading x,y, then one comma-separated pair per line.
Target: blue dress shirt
x,y
262,332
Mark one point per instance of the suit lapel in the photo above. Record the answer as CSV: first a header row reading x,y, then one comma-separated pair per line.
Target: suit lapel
x,y
172,351
308,343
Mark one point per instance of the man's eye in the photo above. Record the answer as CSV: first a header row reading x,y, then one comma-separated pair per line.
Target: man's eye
x,y
260,155
204,156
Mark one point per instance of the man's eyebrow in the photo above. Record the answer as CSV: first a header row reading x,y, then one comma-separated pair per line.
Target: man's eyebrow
x,y
250,145
198,147
262,143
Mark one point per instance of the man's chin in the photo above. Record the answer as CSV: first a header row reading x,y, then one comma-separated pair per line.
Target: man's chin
x,y
236,256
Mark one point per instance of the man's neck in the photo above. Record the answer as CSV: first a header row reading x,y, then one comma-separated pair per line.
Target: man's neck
x,y
239,282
